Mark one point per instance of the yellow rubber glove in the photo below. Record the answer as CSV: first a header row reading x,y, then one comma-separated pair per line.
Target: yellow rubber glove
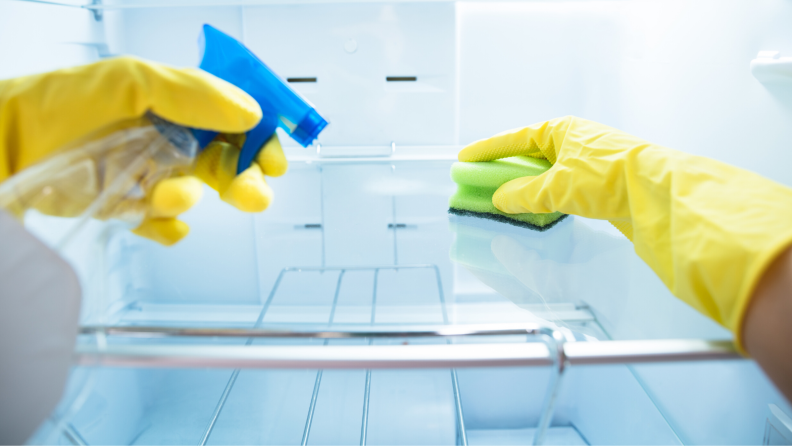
x,y
708,230
42,113
216,166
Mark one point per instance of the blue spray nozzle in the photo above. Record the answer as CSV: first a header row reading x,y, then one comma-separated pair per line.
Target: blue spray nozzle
x,y
230,60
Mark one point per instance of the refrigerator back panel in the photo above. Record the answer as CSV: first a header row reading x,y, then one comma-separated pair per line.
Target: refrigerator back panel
x,y
380,73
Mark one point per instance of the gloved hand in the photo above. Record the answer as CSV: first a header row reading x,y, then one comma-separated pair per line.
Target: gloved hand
x,y
40,114
707,229
217,163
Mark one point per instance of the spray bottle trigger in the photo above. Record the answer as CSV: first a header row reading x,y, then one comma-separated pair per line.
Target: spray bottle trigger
x,y
204,137
255,140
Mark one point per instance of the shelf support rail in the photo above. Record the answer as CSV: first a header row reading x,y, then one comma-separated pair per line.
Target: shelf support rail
x,y
555,346
458,413
318,382
235,373
367,389
460,418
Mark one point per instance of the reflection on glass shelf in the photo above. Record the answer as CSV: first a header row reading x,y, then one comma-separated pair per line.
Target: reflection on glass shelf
x,y
575,264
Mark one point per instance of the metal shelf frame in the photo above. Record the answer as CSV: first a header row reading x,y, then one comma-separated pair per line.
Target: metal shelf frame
x,y
551,352
548,349
393,356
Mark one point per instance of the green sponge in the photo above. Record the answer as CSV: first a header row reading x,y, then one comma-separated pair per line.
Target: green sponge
x,y
477,182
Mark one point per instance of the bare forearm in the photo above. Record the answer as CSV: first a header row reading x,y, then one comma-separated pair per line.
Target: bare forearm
x,y
767,329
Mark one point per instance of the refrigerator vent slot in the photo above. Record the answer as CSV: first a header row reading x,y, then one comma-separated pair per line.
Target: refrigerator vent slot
x,y
300,80
309,226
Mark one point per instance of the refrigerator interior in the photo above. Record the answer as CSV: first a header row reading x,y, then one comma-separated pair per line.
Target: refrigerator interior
x,y
358,236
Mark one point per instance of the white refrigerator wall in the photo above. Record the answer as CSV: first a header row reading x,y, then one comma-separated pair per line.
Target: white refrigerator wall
x,y
674,72
350,49
36,37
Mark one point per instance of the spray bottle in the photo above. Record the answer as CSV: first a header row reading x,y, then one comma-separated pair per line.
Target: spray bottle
x,y
228,59
144,150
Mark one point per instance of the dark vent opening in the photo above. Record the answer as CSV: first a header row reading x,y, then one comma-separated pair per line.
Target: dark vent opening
x,y
297,80
401,78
